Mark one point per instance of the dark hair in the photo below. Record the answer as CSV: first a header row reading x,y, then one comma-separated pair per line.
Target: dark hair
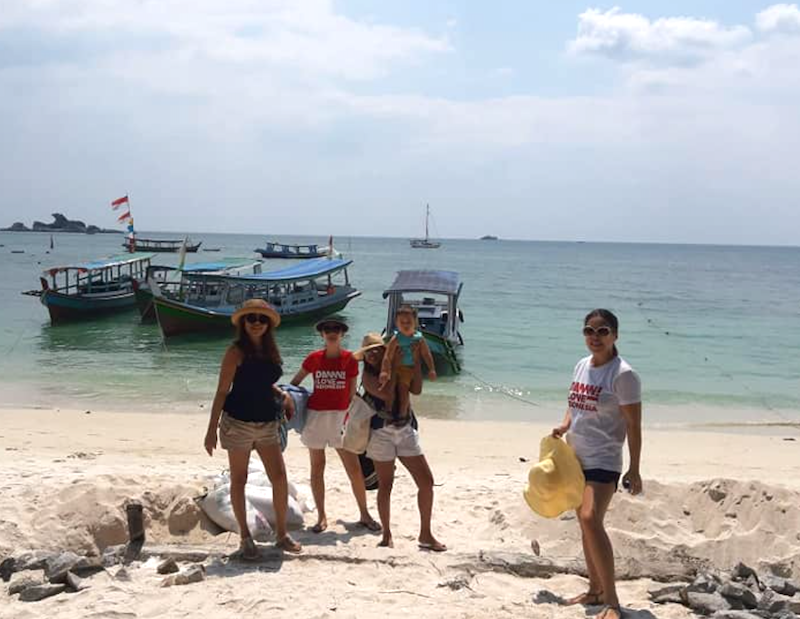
x,y
269,349
609,317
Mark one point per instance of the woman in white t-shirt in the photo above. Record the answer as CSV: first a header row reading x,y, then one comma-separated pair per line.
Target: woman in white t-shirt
x,y
605,406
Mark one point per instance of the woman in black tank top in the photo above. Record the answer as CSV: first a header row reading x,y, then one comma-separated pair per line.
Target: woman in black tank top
x,y
246,410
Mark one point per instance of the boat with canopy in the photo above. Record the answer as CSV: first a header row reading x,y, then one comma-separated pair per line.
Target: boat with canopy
x,y
303,292
170,280
164,246
89,289
435,295
293,252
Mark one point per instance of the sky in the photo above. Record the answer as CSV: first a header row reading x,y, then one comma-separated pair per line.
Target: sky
x,y
657,121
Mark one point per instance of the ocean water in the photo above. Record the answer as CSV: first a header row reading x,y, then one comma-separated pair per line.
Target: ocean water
x,y
714,331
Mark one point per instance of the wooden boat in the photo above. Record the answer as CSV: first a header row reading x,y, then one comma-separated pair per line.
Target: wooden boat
x,y
172,280
292,252
163,246
435,296
301,293
90,289
425,243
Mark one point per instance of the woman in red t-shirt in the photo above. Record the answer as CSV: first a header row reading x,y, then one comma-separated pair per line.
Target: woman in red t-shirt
x,y
335,372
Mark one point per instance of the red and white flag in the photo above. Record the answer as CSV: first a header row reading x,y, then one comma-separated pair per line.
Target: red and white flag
x,y
119,202
124,215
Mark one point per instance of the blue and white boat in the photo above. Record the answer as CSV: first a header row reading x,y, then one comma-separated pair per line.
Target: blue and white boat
x,y
435,295
170,280
305,292
292,252
90,289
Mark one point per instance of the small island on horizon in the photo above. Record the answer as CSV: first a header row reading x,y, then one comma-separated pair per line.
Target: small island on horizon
x,y
489,237
60,224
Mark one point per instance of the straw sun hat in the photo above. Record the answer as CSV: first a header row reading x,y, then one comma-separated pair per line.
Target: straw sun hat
x,y
257,306
556,482
370,341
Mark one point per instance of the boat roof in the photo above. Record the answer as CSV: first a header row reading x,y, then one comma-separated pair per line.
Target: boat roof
x,y
441,282
308,270
96,265
220,265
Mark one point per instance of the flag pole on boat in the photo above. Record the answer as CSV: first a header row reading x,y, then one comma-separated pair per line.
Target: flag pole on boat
x,y
115,205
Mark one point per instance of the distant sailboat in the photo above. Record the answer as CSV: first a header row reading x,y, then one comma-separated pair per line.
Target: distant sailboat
x,y
425,243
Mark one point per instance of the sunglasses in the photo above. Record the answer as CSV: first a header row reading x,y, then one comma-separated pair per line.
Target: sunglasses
x,y
589,331
331,329
254,318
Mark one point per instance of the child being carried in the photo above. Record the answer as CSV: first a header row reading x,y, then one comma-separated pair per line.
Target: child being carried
x,y
401,353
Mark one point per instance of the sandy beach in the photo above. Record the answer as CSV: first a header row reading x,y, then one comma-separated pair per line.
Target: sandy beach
x,y
710,497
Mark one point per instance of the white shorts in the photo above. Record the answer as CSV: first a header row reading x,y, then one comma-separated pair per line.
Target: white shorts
x,y
323,429
390,441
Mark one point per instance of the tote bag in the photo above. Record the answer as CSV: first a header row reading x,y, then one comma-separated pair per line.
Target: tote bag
x,y
355,432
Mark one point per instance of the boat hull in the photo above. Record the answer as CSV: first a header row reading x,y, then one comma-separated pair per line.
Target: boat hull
x,y
68,308
444,354
144,303
290,256
190,249
176,318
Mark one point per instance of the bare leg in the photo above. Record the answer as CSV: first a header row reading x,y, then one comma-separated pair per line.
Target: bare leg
x,y
597,545
239,459
272,458
317,457
421,473
403,398
353,468
385,472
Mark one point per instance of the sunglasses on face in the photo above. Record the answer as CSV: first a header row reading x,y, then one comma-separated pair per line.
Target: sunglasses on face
x,y
589,331
331,329
254,318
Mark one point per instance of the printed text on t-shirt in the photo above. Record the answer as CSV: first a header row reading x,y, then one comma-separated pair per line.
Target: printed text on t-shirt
x,y
330,379
584,397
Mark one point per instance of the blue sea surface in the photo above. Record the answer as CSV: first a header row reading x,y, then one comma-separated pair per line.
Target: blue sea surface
x,y
714,331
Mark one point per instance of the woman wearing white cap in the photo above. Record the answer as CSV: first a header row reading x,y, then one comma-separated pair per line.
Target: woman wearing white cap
x,y
246,409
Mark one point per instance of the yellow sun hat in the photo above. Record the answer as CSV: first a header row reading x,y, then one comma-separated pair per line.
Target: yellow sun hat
x,y
556,482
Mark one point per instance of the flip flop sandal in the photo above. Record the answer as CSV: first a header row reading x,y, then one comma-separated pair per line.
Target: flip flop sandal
x,y
371,525
432,547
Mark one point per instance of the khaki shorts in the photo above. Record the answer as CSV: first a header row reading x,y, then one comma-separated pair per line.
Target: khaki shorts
x,y
389,442
235,434
323,429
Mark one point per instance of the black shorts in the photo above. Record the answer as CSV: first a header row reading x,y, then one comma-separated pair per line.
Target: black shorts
x,y
602,476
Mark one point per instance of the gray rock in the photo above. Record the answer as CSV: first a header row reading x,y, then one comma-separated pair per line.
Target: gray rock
x,y
40,592
667,595
778,568
76,583
60,565
7,567
122,575
705,603
735,592
112,555
188,575
705,582
743,572
780,585
543,596
776,603
168,566
735,614
717,492
33,560
22,580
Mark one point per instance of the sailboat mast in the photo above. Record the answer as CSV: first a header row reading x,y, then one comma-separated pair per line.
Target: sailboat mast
x,y
427,214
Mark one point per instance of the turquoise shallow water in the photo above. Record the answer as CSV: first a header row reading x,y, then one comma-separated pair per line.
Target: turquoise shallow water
x,y
711,329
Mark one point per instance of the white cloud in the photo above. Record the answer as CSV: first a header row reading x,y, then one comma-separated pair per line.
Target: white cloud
x,y
779,18
309,36
634,37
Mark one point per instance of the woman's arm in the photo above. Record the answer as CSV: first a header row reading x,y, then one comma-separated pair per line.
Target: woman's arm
x,y
561,430
298,378
388,360
226,373
372,386
633,419
288,403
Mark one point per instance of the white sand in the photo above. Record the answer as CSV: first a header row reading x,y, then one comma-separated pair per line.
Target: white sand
x,y
65,476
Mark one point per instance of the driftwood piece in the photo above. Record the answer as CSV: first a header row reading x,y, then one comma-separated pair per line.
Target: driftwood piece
x,y
527,566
